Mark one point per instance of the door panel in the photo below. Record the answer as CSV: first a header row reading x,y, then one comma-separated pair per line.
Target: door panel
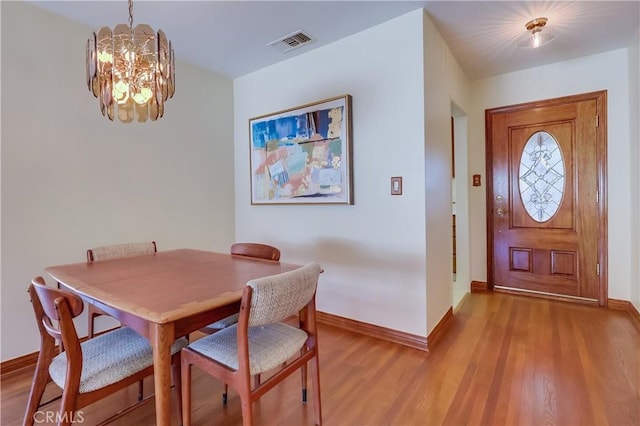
x,y
543,207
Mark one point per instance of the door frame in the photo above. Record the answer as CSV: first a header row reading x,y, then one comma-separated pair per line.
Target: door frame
x,y
601,153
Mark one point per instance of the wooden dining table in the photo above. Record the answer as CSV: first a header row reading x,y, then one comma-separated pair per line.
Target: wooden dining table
x,y
164,296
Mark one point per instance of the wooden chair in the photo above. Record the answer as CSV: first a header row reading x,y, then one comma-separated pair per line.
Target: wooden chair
x,y
253,250
89,371
116,251
119,251
260,342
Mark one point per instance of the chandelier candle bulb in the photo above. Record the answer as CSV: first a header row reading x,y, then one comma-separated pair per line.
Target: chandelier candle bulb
x,y
131,71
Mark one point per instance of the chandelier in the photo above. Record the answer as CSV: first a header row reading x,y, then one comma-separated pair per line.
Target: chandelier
x,y
131,71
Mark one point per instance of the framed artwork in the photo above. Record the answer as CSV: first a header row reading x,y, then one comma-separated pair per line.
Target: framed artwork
x,y
302,155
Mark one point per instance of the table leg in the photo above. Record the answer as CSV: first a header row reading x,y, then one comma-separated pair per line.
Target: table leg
x,y
162,337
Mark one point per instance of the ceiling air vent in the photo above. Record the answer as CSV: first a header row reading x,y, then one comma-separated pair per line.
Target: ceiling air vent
x,y
291,41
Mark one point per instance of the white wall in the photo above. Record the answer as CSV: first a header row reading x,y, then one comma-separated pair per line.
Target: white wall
x,y
634,159
72,179
373,252
606,71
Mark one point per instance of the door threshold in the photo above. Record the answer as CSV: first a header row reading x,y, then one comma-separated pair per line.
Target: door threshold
x,y
545,295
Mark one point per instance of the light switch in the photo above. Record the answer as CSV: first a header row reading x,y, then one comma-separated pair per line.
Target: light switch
x,y
396,185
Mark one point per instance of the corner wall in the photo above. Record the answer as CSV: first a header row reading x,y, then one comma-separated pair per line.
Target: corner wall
x,y
373,252
445,83
384,257
71,179
634,166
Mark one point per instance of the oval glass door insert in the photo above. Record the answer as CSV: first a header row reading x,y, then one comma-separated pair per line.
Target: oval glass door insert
x,y
541,174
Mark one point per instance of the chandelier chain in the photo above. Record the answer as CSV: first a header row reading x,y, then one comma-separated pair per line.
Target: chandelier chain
x,y
131,14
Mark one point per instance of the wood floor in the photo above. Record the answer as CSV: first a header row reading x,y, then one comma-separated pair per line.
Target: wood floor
x,y
506,360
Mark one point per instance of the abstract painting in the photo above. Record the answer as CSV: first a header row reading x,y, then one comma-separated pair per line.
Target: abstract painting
x,y
302,155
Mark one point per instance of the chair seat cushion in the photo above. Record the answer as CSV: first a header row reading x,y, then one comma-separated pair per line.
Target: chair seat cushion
x,y
109,358
224,322
269,346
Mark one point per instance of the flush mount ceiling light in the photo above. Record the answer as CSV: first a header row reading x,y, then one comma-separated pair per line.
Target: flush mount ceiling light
x,y
131,71
535,37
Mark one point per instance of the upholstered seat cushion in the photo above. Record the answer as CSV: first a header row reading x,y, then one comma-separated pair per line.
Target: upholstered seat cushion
x,y
269,346
109,358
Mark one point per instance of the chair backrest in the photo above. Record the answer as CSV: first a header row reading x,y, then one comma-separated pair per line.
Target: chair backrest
x,y
117,251
274,298
51,304
257,250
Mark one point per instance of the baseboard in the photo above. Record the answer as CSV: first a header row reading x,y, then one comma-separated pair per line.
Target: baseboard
x,y
407,339
15,364
439,330
625,305
479,287
411,340
618,305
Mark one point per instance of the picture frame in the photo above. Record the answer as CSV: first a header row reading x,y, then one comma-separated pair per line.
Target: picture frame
x,y
303,155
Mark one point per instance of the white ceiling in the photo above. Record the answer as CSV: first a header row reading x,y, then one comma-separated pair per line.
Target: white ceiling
x,y
231,37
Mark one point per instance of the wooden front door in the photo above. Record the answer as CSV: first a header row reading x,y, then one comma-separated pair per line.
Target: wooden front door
x,y
546,209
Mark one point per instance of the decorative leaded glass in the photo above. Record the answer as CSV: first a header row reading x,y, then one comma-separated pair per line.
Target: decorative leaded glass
x,y
542,173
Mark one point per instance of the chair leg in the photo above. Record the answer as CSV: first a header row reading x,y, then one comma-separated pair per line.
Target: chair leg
x,y
67,406
303,374
38,384
315,383
92,320
177,380
140,390
244,390
247,412
256,381
224,394
185,373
